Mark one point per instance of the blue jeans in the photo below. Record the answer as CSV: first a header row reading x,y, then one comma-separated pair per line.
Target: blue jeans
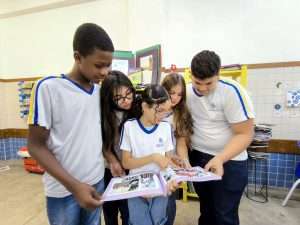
x,y
67,211
171,209
151,211
220,200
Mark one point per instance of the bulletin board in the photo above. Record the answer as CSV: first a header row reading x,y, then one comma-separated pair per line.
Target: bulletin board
x,y
24,89
148,60
123,61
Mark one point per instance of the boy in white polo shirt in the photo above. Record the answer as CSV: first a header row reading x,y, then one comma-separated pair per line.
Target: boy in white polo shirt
x,y
223,128
65,131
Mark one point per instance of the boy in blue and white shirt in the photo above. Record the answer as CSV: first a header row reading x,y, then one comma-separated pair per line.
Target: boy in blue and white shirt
x,y
223,118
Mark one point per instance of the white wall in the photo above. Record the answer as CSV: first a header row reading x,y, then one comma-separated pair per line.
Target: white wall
x,y
1,46
266,93
145,23
192,26
270,31
240,31
41,43
2,99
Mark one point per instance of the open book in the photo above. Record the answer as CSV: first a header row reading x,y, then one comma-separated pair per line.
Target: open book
x,y
195,174
152,184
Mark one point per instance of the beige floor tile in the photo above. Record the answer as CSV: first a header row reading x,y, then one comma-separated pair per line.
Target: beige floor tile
x,y
22,202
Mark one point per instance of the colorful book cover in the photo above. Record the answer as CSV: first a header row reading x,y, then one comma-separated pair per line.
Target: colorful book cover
x,y
142,184
194,174
152,184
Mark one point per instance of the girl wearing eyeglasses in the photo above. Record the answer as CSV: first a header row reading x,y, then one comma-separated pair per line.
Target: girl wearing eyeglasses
x,y
146,142
117,97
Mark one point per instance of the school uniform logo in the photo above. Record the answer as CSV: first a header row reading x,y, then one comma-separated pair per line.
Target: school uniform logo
x,y
160,143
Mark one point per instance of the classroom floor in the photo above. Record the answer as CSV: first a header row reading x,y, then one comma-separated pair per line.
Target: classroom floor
x,y
22,202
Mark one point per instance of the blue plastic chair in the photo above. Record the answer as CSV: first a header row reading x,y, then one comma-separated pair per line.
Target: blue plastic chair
x,y
296,183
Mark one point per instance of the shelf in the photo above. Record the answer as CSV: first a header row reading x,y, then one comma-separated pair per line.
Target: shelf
x,y
240,75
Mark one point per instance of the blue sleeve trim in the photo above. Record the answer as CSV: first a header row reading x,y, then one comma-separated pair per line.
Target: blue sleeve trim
x,y
36,111
239,95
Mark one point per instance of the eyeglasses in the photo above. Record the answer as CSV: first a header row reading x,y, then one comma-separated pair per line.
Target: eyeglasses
x,y
162,113
120,99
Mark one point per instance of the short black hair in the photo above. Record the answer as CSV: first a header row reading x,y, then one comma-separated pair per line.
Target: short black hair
x,y
205,64
90,36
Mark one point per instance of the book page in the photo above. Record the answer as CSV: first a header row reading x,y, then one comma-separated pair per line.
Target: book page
x,y
196,174
133,186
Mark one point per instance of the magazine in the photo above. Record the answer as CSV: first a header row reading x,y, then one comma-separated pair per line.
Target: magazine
x,y
195,174
152,184
141,184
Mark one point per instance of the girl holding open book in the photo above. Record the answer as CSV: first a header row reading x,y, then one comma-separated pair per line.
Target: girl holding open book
x,y
146,143
117,99
182,126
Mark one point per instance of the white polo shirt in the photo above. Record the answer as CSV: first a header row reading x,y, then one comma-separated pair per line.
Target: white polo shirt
x,y
141,142
72,115
229,103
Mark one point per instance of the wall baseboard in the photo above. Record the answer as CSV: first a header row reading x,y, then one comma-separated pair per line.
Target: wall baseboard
x,y
280,146
13,133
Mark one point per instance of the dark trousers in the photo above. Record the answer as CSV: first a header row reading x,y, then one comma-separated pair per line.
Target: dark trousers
x,y
111,209
219,200
171,209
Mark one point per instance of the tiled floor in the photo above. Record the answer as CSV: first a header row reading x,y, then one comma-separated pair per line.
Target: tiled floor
x,y
22,203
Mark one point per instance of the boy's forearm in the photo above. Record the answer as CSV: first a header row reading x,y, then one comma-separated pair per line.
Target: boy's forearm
x,y
47,160
236,145
242,136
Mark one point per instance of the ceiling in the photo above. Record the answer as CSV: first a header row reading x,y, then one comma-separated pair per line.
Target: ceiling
x,y
12,8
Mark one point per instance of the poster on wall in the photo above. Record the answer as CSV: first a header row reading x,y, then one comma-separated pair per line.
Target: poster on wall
x,y
293,99
123,61
149,61
121,65
24,88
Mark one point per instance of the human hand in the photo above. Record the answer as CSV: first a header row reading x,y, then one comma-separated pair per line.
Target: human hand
x,y
87,196
179,162
116,169
161,160
172,186
176,161
215,165
187,164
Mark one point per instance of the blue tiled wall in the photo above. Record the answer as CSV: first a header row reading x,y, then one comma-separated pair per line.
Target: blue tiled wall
x,y
280,167
10,146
